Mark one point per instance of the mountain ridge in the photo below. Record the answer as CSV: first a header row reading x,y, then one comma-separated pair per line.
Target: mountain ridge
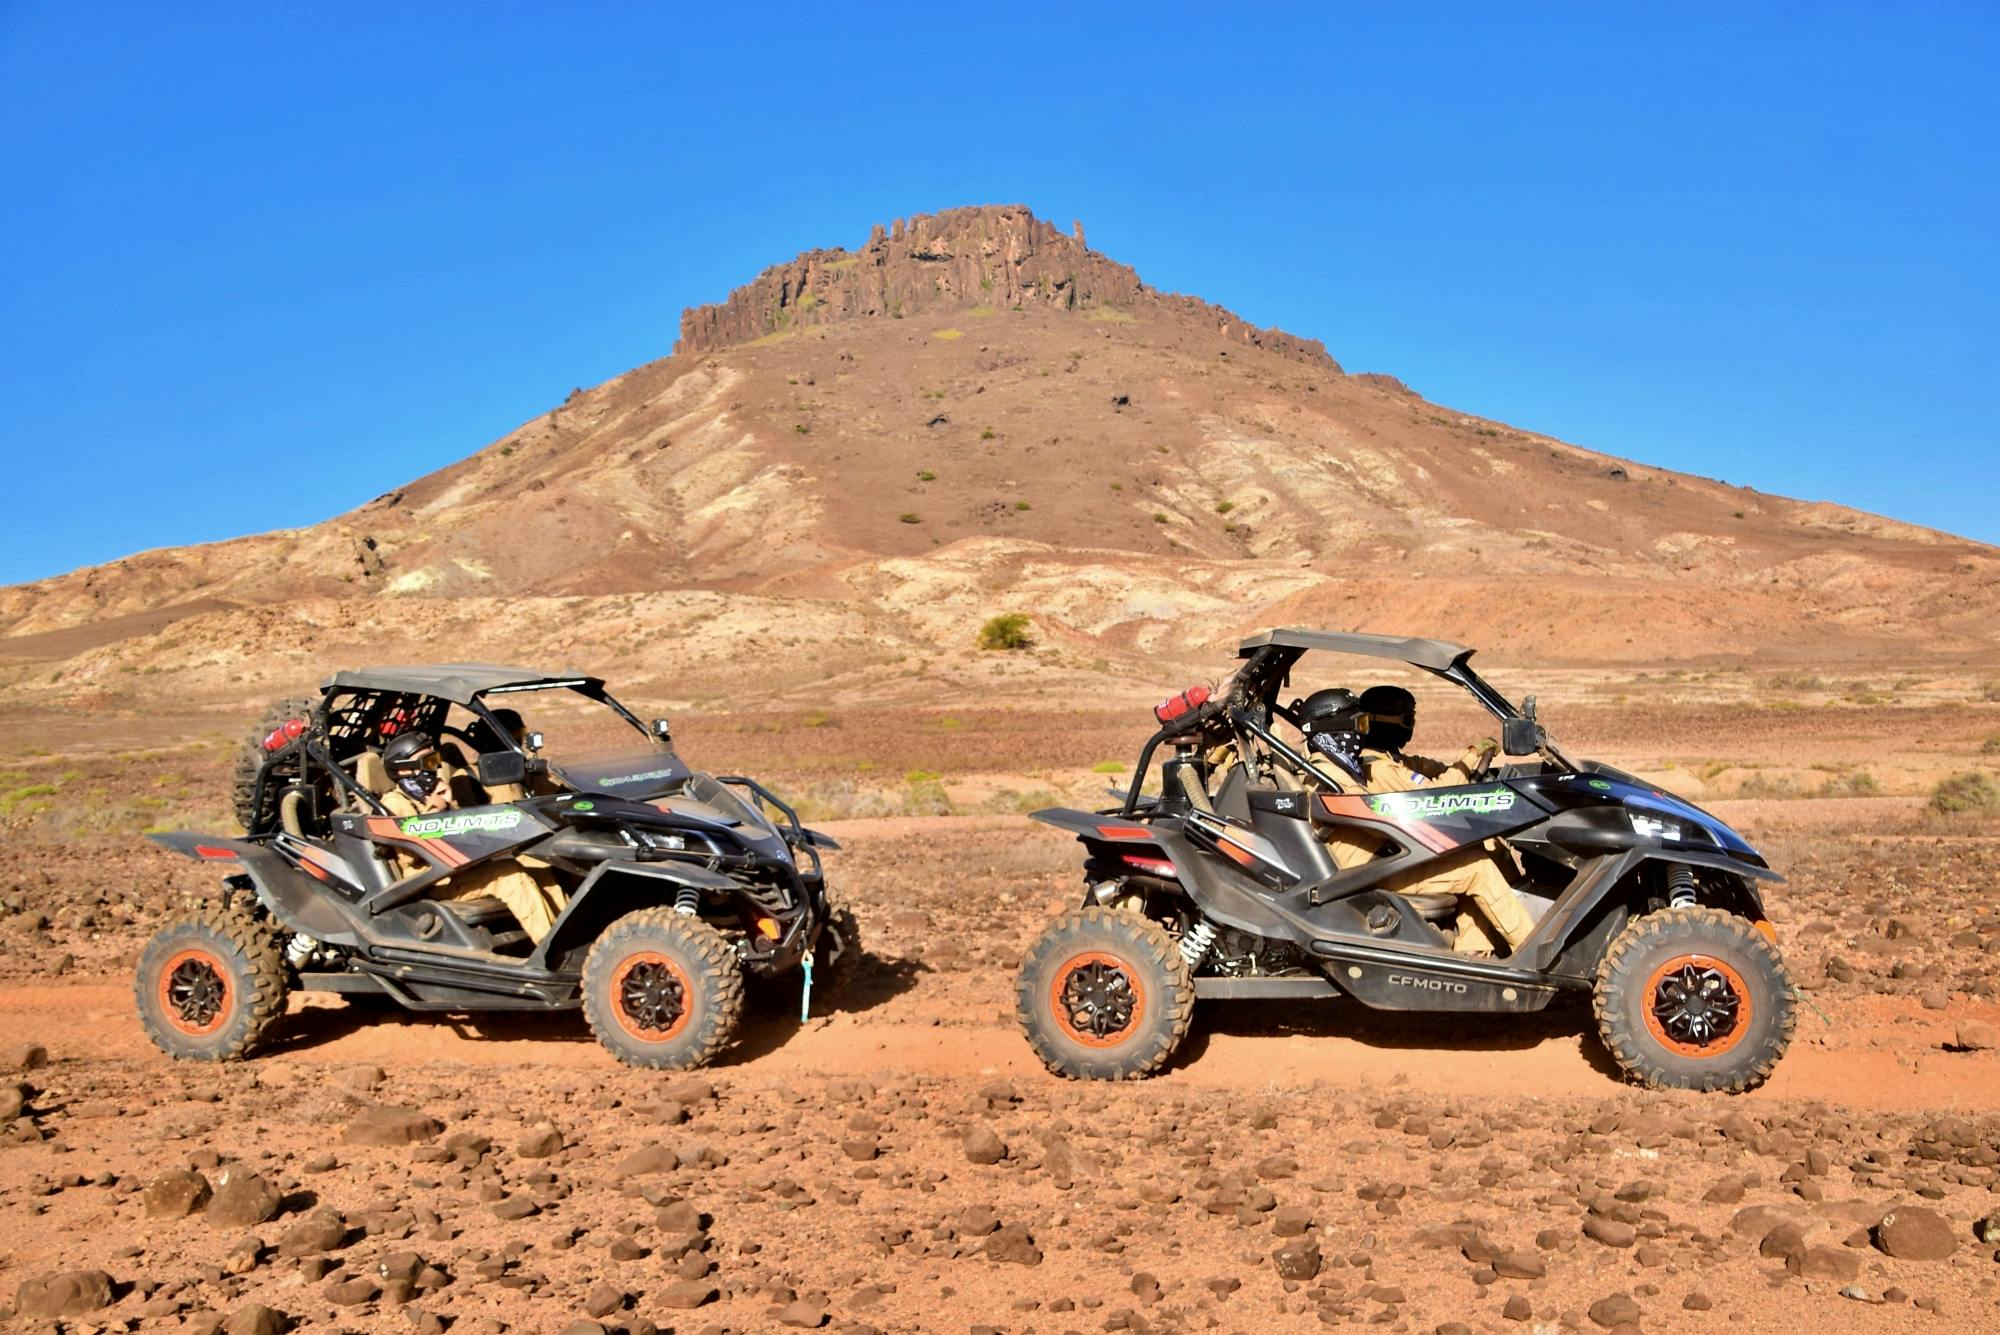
x,y
882,450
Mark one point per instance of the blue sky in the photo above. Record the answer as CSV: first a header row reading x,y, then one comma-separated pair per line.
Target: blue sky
x,y
261,263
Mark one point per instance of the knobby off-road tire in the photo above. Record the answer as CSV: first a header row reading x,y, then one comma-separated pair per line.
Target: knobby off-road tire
x,y
250,760
662,989
211,987
837,953
1105,995
1694,998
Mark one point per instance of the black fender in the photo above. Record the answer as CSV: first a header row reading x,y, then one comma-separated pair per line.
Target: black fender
x,y
298,902
614,889
1574,914
1211,888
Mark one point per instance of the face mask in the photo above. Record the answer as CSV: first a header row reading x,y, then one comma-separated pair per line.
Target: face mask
x,y
1341,748
419,785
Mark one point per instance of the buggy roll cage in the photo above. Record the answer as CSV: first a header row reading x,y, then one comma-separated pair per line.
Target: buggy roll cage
x,y
371,696
1250,695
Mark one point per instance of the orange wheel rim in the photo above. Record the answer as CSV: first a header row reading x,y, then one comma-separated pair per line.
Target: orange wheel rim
x,y
1097,999
195,994
1697,1006
652,997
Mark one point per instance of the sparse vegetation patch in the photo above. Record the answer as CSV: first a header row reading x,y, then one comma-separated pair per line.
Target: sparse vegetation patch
x,y
1008,631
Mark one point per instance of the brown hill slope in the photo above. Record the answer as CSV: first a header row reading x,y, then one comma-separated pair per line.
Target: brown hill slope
x,y
975,412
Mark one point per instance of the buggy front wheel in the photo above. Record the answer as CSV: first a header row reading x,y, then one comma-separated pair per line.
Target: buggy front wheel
x,y
1694,998
1105,995
662,989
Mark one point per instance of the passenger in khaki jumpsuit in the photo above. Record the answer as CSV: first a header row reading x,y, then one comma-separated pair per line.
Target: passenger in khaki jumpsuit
x,y
414,768
1480,877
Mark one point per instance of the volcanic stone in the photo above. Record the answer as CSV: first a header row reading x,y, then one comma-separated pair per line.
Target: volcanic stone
x,y
321,1231
241,1200
651,1157
1976,1036
803,1314
1014,1244
391,1126
1616,1309
176,1193
66,1294
1824,1263
984,1146
1518,1308
685,1294
1913,1233
1299,1259
256,1319
1518,1265
1610,1232
540,1142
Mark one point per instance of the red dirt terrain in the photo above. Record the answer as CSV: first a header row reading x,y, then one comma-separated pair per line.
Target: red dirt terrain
x,y
787,535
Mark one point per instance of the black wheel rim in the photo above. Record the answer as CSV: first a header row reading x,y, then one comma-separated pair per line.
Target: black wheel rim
x,y
1696,1005
1099,999
651,997
196,992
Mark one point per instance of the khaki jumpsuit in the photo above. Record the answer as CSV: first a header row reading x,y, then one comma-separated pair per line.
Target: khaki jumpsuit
x,y
1479,877
526,897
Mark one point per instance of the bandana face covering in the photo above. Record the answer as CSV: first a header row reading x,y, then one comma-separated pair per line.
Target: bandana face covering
x,y
419,785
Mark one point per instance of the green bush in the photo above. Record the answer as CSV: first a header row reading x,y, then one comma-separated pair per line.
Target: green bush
x,y
1108,767
1991,746
1224,507
1967,792
926,475
909,517
1009,630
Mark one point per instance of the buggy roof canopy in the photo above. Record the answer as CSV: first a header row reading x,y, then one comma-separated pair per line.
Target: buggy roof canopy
x,y
1436,655
457,682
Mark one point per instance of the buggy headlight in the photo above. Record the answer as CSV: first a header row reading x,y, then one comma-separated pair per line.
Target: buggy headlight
x,y
1652,827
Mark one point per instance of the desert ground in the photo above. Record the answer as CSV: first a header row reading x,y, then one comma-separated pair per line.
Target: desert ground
x,y
901,1162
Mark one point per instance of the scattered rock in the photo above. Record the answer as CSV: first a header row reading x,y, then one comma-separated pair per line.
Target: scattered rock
x,y
1616,1309
256,1319
1014,1244
1975,1036
1914,1233
541,1142
651,1157
241,1200
24,1057
391,1126
70,1293
1821,1262
984,1146
176,1193
1610,1232
1297,1260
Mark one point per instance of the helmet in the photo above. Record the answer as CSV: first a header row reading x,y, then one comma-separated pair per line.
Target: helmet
x,y
1328,719
1330,710
412,761
1388,717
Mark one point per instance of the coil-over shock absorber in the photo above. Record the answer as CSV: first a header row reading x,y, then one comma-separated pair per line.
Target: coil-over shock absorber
x,y
687,901
1680,886
1197,941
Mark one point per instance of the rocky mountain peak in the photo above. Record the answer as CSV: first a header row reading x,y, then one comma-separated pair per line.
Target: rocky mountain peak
x,y
998,256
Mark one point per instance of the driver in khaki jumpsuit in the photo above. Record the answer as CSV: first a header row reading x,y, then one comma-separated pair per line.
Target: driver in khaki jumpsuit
x,y
1480,877
415,770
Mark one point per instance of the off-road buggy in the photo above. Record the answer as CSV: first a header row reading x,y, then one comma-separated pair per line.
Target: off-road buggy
x,y
679,884
1221,887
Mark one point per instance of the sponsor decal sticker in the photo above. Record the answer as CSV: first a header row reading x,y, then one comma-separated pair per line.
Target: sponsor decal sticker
x,y
1423,806
614,780
583,806
447,825
1600,785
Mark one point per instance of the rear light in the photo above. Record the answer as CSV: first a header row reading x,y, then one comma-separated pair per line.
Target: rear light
x,y
768,928
1180,706
1152,866
285,734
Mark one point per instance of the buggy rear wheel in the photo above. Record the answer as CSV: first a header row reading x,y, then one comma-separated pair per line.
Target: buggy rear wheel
x,y
211,987
662,989
1105,995
1694,999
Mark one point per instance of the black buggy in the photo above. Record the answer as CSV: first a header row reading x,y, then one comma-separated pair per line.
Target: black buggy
x,y
679,884
1222,887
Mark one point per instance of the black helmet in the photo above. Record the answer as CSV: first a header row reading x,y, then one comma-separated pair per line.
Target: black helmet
x,y
1330,710
1388,717
412,761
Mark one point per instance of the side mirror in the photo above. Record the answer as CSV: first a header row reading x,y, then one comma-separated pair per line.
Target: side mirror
x,y
663,730
533,741
1521,736
501,767
1528,708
